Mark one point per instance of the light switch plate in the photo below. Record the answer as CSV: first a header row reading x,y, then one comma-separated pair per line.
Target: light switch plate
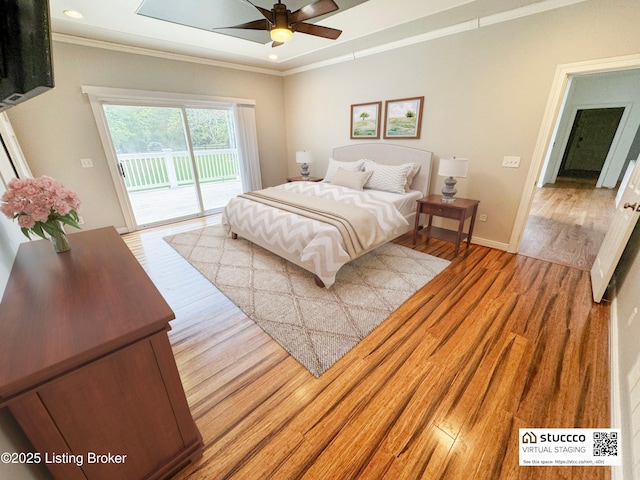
x,y
86,162
511,162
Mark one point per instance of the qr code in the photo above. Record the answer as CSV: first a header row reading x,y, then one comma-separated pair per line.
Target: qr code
x,y
605,444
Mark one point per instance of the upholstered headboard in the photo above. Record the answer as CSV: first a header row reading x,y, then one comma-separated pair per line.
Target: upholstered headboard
x,y
389,154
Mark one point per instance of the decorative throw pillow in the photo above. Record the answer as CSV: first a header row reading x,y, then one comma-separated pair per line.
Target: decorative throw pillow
x,y
355,180
389,178
412,174
334,165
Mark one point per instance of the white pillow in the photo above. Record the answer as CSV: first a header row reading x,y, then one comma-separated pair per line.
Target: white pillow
x,y
334,165
355,180
412,174
388,178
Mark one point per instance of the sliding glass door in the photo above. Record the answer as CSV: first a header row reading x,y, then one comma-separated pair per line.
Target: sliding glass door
x,y
174,162
215,150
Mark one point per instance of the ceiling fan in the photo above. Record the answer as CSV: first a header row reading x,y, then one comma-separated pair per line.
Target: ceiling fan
x,y
280,22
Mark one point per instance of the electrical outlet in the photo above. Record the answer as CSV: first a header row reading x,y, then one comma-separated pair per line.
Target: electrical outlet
x,y
511,162
80,220
482,217
86,162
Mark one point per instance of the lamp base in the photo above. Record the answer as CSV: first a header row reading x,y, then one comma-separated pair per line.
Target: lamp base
x,y
304,172
448,192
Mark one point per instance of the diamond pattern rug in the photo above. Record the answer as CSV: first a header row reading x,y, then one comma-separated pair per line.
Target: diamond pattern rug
x,y
317,326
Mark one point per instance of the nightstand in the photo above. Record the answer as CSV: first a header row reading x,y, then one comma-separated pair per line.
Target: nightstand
x,y
460,209
299,179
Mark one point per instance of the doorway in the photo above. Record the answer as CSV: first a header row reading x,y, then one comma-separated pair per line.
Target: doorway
x,y
590,141
611,83
569,216
569,213
174,162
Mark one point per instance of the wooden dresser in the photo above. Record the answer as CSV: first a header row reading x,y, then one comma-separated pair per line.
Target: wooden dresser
x,y
86,367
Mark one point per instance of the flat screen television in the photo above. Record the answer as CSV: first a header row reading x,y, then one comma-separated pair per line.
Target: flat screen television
x,y
26,67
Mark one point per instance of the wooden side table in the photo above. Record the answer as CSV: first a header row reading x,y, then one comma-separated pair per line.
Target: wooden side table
x,y
298,178
460,209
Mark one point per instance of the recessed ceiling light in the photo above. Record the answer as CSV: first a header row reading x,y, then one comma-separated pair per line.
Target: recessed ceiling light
x,y
273,56
73,14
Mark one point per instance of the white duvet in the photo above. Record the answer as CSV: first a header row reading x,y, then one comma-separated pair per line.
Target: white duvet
x,y
315,245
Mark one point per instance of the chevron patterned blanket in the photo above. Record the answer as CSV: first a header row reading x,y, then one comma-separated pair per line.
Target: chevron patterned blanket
x,y
357,225
313,244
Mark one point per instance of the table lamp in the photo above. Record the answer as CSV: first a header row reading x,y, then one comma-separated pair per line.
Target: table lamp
x,y
451,168
304,158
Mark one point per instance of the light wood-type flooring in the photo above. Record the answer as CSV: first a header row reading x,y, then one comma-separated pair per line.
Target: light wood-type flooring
x,y
495,343
567,222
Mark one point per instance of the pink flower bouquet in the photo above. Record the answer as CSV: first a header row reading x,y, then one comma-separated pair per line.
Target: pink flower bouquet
x,y
41,205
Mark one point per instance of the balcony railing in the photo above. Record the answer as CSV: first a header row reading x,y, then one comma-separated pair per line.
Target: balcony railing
x,y
171,169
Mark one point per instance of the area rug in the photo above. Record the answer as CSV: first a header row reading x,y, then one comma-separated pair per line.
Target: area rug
x,y
317,326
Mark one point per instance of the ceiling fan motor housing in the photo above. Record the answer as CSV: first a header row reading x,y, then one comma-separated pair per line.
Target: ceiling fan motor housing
x,y
281,16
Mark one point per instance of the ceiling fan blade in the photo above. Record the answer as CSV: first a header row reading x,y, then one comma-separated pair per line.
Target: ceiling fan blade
x,y
276,44
255,25
315,9
268,14
317,30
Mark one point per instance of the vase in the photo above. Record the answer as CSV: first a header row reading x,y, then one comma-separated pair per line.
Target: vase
x,y
59,240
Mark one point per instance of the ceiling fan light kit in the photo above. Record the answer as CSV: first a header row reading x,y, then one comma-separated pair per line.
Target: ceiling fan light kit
x,y
281,34
281,23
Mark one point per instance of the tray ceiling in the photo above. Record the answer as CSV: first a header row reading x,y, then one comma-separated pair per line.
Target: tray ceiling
x,y
194,27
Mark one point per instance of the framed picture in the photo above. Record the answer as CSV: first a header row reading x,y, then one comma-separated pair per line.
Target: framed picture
x,y
365,120
403,118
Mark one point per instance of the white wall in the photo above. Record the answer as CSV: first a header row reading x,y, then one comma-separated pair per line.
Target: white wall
x,y
10,234
57,129
485,94
10,238
600,90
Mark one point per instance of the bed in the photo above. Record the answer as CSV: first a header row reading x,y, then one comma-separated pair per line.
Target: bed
x,y
321,226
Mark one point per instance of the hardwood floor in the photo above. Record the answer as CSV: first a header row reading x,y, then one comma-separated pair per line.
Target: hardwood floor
x,y
495,343
567,222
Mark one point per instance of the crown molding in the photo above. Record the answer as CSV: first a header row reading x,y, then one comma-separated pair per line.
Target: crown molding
x,y
118,47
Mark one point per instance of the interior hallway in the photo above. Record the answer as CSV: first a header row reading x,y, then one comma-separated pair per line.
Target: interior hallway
x,y
568,221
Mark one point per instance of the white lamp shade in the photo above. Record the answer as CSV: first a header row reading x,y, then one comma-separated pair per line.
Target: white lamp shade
x,y
453,167
304,157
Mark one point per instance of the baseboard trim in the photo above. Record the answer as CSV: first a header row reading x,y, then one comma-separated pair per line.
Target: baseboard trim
x,y
490,243
614,379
